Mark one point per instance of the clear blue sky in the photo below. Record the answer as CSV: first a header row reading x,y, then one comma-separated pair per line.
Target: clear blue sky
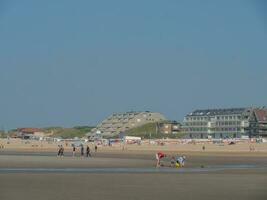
x,y
66,63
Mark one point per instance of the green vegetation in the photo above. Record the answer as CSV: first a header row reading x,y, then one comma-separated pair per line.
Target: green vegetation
x,y
77,131
151,131
3,134
143,131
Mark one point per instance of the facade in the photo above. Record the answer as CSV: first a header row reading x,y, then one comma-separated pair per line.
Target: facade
x,y
169,127
258,123
120,122
217,123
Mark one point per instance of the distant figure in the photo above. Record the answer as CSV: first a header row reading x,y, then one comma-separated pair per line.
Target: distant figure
x,y
180,161
159,156
95,148
203,147
73,150
251,148
88,151
82,150
62,151
59,150
172,161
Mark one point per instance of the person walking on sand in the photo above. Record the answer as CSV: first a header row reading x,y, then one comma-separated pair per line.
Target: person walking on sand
x,y
88,151
62,151
95,148
82,151
73,150
59,151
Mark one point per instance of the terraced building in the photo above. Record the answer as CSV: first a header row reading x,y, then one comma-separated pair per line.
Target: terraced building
x,y
120,122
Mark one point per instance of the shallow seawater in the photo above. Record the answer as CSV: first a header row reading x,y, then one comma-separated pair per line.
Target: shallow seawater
x,y
132,170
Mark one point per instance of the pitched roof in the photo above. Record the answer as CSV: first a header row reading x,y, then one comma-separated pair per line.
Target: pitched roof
x,y
212,112
261,114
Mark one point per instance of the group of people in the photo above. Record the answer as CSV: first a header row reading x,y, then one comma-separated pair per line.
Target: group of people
x,y
176,161
83,151
88,151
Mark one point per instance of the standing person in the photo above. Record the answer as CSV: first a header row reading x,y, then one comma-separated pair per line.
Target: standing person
x,y
95,148
88,151
82,150
73,150
62,151
59,151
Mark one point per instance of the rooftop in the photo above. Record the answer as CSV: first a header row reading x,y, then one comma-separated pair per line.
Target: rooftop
x,y
261,114
212,112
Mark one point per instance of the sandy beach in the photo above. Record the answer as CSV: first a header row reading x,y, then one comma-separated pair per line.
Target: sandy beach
x,y
34,172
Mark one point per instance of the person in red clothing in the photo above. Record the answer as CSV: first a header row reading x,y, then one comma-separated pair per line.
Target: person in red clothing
x,y
159,156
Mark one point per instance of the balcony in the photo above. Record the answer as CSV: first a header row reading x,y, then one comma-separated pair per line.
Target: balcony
x,y
244,124
211,124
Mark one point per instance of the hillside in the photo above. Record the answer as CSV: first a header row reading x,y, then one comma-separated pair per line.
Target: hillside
x,y
77,131
150,130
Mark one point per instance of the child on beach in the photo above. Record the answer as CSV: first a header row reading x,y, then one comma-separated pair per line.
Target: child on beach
x,y
159,156
180,161
172,161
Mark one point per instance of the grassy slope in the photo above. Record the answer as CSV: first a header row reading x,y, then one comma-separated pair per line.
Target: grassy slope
x,y
144,131
78,131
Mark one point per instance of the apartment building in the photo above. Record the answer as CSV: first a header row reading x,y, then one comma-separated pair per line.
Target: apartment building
x,y
169,127
217,123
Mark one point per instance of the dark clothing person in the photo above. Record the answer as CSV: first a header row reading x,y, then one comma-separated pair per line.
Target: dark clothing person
x,y
95,148
62,151
82,151
59,151
88,152
73,150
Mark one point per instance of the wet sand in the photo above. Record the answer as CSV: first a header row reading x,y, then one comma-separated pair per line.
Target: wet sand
x,y
248,183
132,186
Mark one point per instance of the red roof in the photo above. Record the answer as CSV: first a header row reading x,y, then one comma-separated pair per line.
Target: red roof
x,y
261,114
29,130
